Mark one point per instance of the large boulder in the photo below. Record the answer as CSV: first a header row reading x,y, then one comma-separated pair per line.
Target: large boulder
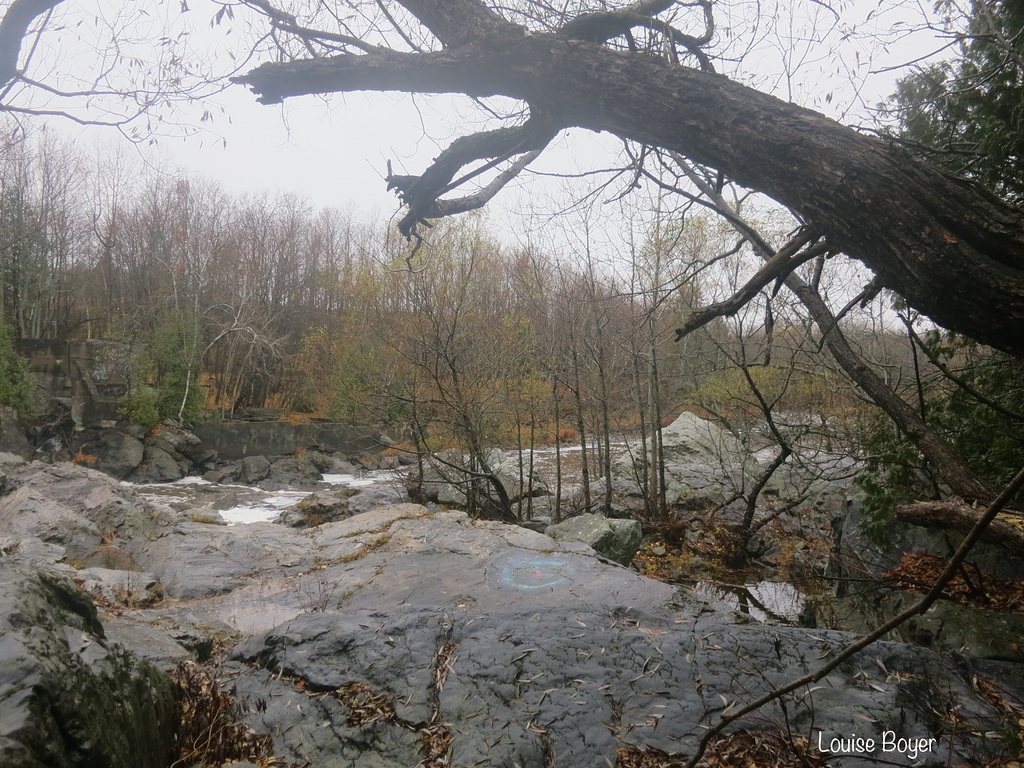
x,y
445,480
178,442
319,508
109,451
692,439
862,555
80,512
27,512
158,466
615,539
297,472
254,469
67,698
704,464
371,497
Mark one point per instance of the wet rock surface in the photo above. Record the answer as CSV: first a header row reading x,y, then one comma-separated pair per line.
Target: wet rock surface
x,y
400,633
523,650
198,559
513,686
67,698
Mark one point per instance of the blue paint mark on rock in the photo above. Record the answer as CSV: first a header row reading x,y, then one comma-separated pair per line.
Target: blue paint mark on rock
x,y
523,569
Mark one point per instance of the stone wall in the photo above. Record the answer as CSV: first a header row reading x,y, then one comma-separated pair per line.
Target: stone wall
x,y
278,438
87,376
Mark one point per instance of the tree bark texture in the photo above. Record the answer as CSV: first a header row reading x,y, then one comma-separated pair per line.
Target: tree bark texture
x,y
958,515
953,250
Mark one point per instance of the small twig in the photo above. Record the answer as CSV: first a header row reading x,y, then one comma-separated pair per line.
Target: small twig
x,y
863,298
863,642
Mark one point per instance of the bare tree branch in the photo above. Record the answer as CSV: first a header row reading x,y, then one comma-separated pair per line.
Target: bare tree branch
x,y
13,29
600,27
775,269
863,642
954,251
420,193
484,195
460,22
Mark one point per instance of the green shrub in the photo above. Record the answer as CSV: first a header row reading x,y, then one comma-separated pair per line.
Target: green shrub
x,y
16,385
989,440
140,406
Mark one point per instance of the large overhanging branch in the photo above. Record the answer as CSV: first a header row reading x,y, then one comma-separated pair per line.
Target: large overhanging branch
x,y
467,72
952,250
20,16
421,193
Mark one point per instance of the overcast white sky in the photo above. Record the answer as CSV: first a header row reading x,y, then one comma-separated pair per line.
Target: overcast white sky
x,y
335,151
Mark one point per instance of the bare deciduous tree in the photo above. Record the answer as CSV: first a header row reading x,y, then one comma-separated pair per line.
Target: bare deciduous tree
x,y
954,251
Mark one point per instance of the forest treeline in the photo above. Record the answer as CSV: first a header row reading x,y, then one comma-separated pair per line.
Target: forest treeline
x,y
232,302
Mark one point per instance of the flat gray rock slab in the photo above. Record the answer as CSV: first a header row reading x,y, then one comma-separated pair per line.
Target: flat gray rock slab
x,y
197,559
516,686
513,649
431,560
396,556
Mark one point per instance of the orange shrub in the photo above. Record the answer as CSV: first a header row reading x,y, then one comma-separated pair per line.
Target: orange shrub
x,y
83,458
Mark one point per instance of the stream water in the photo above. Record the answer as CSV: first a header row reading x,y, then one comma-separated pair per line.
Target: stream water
x,y
243,504
772,602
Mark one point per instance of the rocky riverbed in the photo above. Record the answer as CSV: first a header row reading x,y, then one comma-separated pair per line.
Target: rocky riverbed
x,y
406,635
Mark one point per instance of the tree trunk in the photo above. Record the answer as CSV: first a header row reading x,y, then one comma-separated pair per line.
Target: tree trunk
x,y
558,450
581,426
960,516
954,251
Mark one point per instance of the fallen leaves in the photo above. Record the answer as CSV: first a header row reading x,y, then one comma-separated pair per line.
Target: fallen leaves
x,y
917,571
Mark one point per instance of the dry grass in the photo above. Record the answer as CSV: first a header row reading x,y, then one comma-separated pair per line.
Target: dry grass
x,y
743,749
917,571
209,728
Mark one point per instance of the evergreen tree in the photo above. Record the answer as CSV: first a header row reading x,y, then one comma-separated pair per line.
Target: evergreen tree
x,y
16,386
970,110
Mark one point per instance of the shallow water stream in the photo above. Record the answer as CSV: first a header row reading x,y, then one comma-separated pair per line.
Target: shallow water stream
x,y
241,504
769,602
